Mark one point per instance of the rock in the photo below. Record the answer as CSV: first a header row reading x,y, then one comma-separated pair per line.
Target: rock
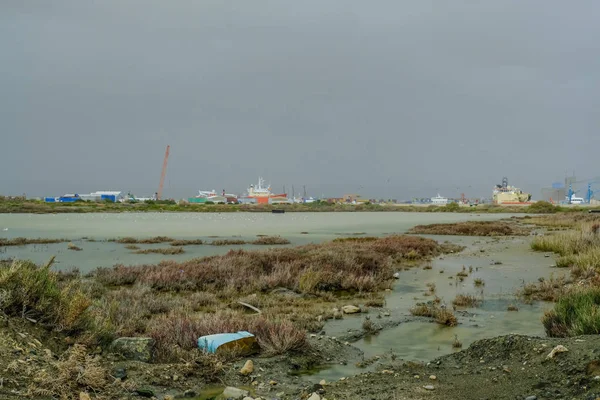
x,y
429,387
134,348
169,397
396,275
558,349
432,377
350,309
247,398
145,392
235,393
386,314
314,396
531,398
417,377
84,396
337,314
248,368
323,382
189,393
272,383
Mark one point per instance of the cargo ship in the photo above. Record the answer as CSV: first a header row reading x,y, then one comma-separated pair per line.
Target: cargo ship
x,y
262,195
506,194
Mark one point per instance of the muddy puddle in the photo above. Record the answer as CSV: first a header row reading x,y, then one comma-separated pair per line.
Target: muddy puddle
x,y
504,266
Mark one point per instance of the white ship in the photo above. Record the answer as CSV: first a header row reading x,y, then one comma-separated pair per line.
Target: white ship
x,y
439,200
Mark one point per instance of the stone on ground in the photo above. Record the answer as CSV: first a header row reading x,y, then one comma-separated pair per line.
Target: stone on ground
x,y
350,309
248,368
235,393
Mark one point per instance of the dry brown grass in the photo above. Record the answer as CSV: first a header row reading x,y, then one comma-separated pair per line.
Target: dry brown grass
x,y
228,242
181,331
442,316
75,371
457,344
471,228
356,266
165,251
547,289
466,300
431,288
187,242
561,220
270,240
153,240
132,247
21,241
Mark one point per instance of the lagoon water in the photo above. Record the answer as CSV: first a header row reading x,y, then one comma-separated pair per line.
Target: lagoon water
x,y
90,232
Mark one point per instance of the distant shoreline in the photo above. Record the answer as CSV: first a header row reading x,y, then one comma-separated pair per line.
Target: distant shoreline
x,y
39,207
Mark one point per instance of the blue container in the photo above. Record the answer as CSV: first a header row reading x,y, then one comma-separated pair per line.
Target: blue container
x,y
50,199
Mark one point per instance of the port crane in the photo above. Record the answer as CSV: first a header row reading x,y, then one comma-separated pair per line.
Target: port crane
x,y
163,174
590,191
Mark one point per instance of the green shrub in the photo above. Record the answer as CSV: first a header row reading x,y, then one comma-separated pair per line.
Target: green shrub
x,y
576,313
451,207
542,207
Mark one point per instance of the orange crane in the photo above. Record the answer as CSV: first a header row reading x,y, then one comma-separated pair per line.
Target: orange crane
x,y
163,173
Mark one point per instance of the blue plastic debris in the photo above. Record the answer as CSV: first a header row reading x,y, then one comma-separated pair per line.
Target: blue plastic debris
x,y
242,341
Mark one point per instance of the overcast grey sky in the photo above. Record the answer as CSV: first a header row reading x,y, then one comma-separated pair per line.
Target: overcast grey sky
x,y
391,98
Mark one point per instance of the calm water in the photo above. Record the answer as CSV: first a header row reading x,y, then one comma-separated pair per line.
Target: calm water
x,y
99,227
425,340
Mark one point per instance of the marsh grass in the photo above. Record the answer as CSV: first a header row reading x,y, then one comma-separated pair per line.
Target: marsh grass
x,y
466,300
187,242
270,240
478,282
153,240
576,313
28,290
165,251
21,241
457,344
442,316
364,266
175,303
228,242
550,289
471,228
584,239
